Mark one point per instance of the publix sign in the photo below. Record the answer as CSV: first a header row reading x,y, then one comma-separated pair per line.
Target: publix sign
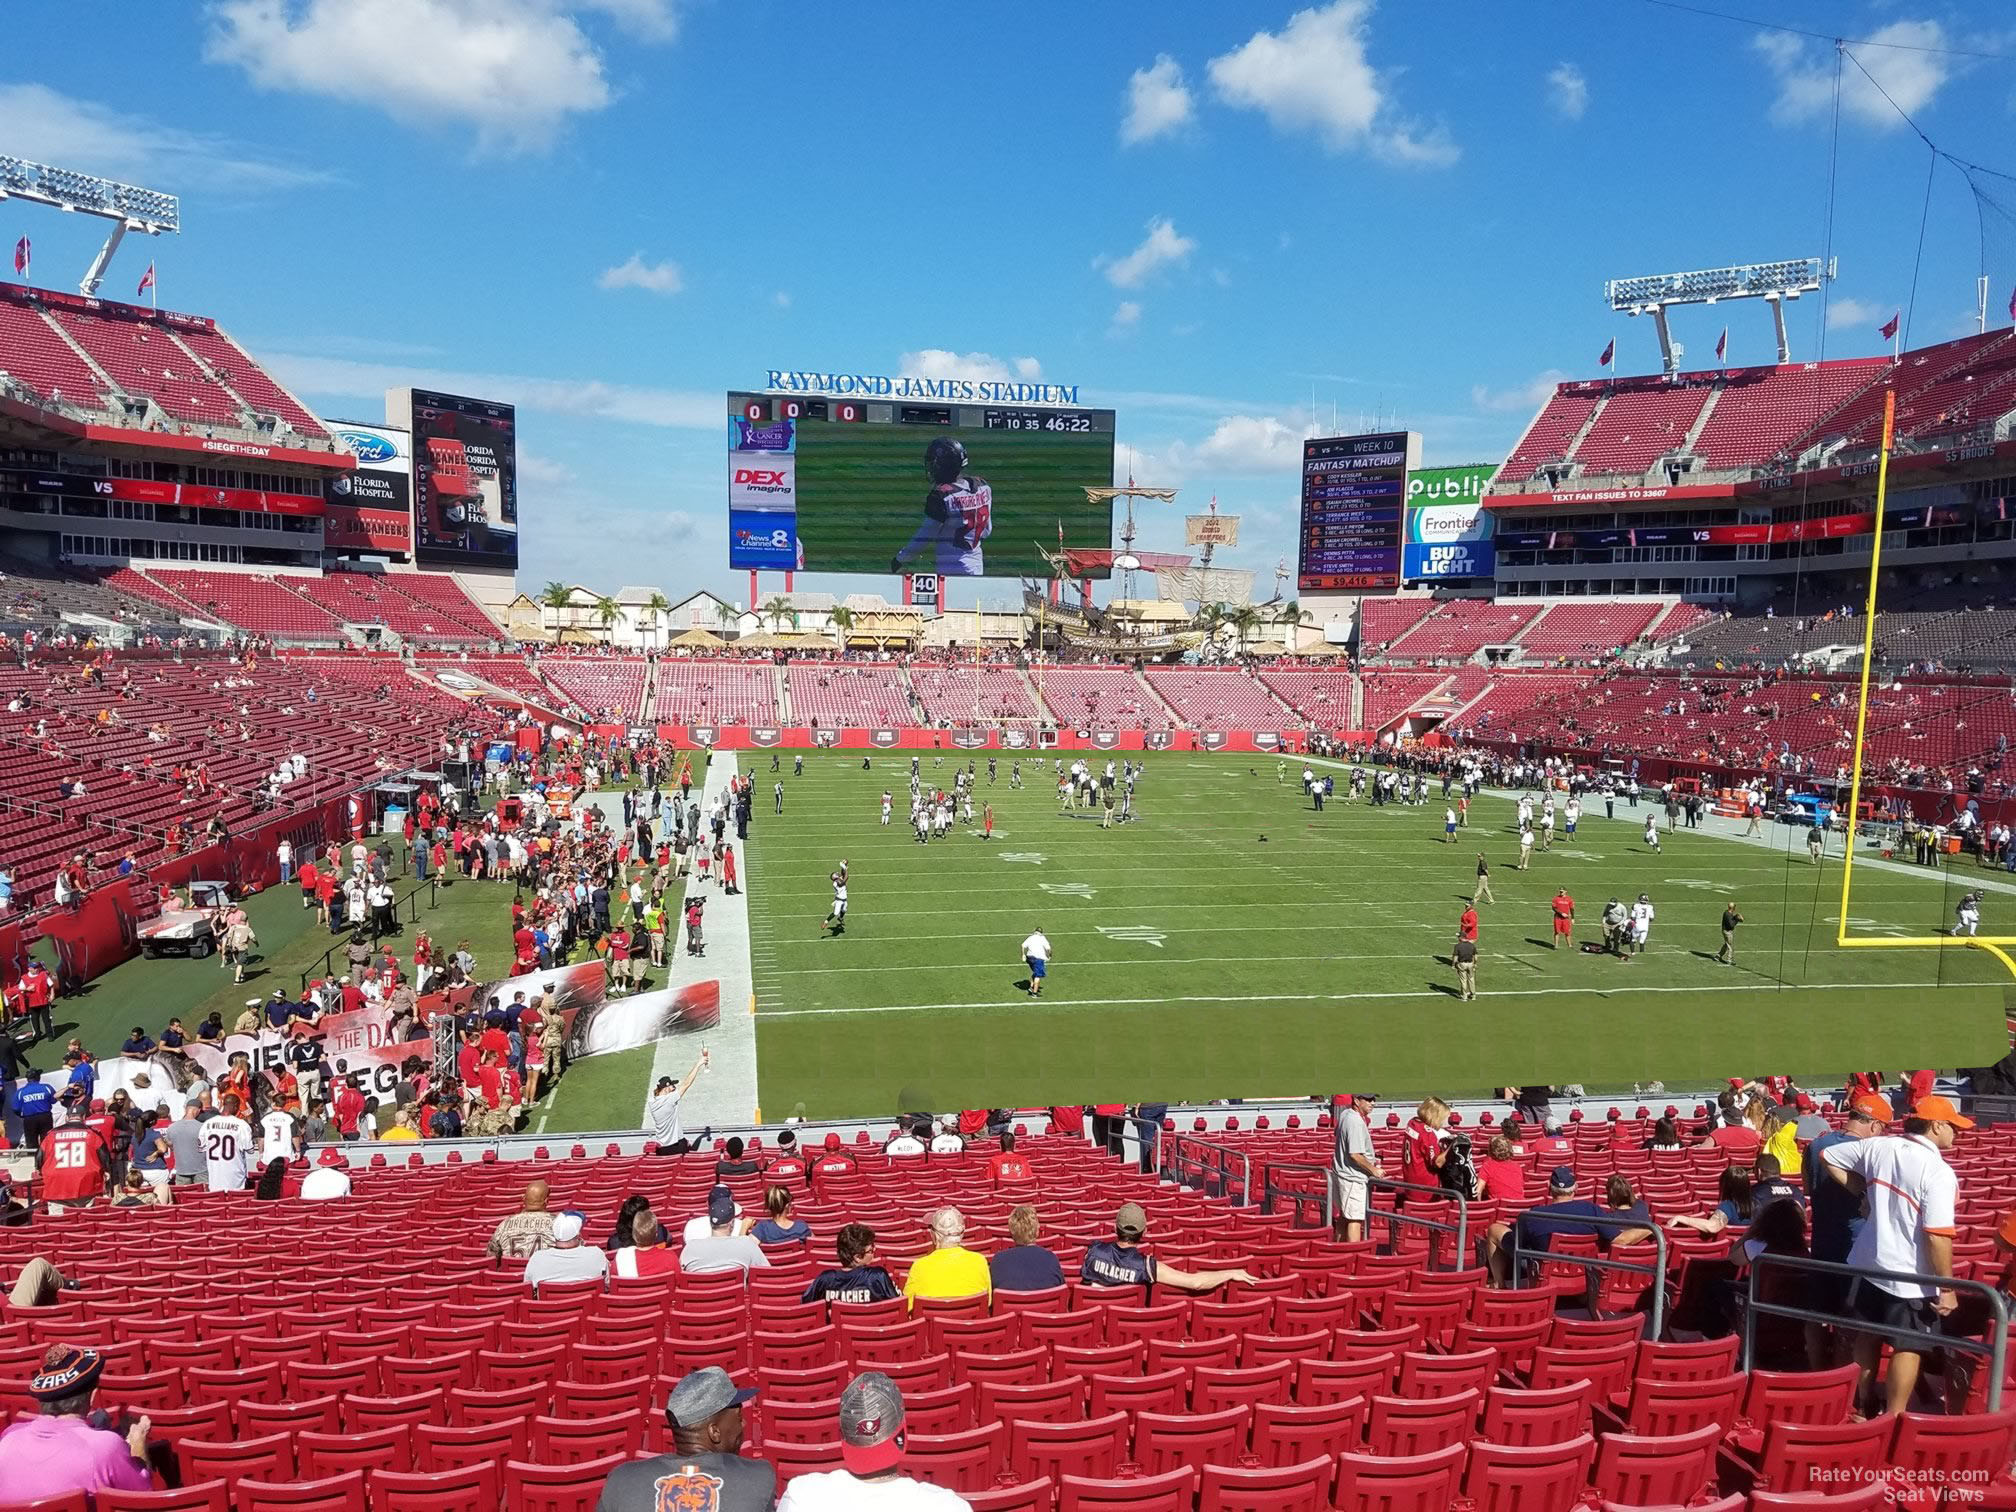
x,y
1448,532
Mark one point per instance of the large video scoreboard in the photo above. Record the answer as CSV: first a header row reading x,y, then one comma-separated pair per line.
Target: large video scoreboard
x,y
1354,504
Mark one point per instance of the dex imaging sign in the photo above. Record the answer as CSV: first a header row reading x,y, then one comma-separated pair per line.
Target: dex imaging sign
x,y
1449,535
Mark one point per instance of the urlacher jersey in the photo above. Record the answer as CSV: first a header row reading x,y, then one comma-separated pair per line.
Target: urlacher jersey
x,y
74,1164
958,516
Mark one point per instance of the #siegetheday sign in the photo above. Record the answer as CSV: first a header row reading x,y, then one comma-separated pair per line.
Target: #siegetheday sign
x,y
879,386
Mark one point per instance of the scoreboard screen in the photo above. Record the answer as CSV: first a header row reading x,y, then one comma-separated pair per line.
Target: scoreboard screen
x,y
1354,500
873,486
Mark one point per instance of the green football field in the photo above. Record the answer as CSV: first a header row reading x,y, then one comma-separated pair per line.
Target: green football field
x,y
861,493
1232,942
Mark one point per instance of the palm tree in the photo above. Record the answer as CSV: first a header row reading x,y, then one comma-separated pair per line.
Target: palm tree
x,y
725,615
1243,620
843,621
657,606
1294,616
1210,617
608,611
777,610
558,597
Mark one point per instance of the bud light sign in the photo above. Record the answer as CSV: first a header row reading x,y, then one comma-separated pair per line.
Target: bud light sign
x,y
1449,535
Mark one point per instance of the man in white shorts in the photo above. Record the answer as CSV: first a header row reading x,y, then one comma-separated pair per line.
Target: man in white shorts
x,y
1352,1166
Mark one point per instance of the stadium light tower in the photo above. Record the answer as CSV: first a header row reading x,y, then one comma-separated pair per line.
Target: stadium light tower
x,y
1772,282
127,206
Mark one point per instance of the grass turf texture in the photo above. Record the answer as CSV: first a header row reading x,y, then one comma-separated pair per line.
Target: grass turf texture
x,y
1195,959
860,491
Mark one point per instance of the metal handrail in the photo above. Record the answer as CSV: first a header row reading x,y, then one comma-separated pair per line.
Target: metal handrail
x,y
1996,1348
1324,1196
1212,1158
1656,1270
1395,1216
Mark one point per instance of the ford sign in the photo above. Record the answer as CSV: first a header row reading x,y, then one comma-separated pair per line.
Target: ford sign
x,y
366,447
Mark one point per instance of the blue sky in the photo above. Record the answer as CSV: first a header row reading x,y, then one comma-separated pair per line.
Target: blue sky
x,y
611,211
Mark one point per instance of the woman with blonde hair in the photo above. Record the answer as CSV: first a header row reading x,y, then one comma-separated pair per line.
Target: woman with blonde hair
x,y
779,1227
1780,1131
1422,1155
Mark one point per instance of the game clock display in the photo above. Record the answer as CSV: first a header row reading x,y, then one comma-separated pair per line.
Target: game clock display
x,y
823,484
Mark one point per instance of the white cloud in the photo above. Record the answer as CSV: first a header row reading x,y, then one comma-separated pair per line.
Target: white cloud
x,y
1127,316
652,20
1847,313
1314,75
543,470
654,278
1236,445
1806,75
983,367
336,378
39,124
1158,101
1523,396
1567,91
516,70
781,299
1163,246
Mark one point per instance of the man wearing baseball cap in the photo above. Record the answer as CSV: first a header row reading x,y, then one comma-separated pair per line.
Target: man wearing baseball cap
x,y
871,1449
1837,1217
1120,1261
61,1451
1909,1190
706,1467
567,1258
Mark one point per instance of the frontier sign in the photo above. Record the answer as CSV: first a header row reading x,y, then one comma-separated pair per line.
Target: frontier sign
x,y
877,386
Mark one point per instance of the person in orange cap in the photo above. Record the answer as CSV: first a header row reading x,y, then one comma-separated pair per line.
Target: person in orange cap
x,y
1908,1192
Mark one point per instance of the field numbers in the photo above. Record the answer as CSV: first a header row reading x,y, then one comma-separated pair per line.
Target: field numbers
x,y
1031,858
1870,926
1694,884
1138,934
1068,889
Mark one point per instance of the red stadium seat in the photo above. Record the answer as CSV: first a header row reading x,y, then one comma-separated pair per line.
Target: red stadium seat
x,y
1173,1491
1530,1477
74,1501
1090,1447
1404,1427
204,1496
1278,1488
1801,1457
1415,1483
1292,1435
1661,1408
267,1458
1872,1497
1164,1391
1513,1418
328,1454
574,1441
1318,1381
1025,1496
1163,1441
558,1488
435,1491
336,1493
1058,1400
967,1461
1955,1456
1655,1472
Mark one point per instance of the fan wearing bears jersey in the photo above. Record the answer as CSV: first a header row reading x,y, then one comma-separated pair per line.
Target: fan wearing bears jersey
x,y
958,514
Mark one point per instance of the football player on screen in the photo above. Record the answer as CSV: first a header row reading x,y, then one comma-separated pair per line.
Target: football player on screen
x,y
958,514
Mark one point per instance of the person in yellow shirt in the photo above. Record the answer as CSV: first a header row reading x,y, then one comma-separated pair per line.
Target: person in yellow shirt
x,y
402,1130
950,1269
1781,1138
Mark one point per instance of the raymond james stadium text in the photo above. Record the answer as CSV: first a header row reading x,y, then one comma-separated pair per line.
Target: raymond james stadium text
x,y
874,386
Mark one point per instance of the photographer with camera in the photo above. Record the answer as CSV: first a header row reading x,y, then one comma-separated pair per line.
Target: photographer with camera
x,y
69,1446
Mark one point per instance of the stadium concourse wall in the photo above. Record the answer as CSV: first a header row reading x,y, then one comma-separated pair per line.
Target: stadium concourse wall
x,y
103,930
919,738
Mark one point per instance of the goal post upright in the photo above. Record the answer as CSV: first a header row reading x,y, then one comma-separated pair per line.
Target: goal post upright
x,y
1990,944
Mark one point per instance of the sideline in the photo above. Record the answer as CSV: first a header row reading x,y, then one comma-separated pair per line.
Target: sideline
x,y
725,1094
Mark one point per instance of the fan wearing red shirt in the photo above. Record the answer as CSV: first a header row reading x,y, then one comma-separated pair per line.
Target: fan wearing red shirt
x,y
835,1161
311,880
75,1166
1564,918
348,1108
1009,1168
1466,926
1421,1152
